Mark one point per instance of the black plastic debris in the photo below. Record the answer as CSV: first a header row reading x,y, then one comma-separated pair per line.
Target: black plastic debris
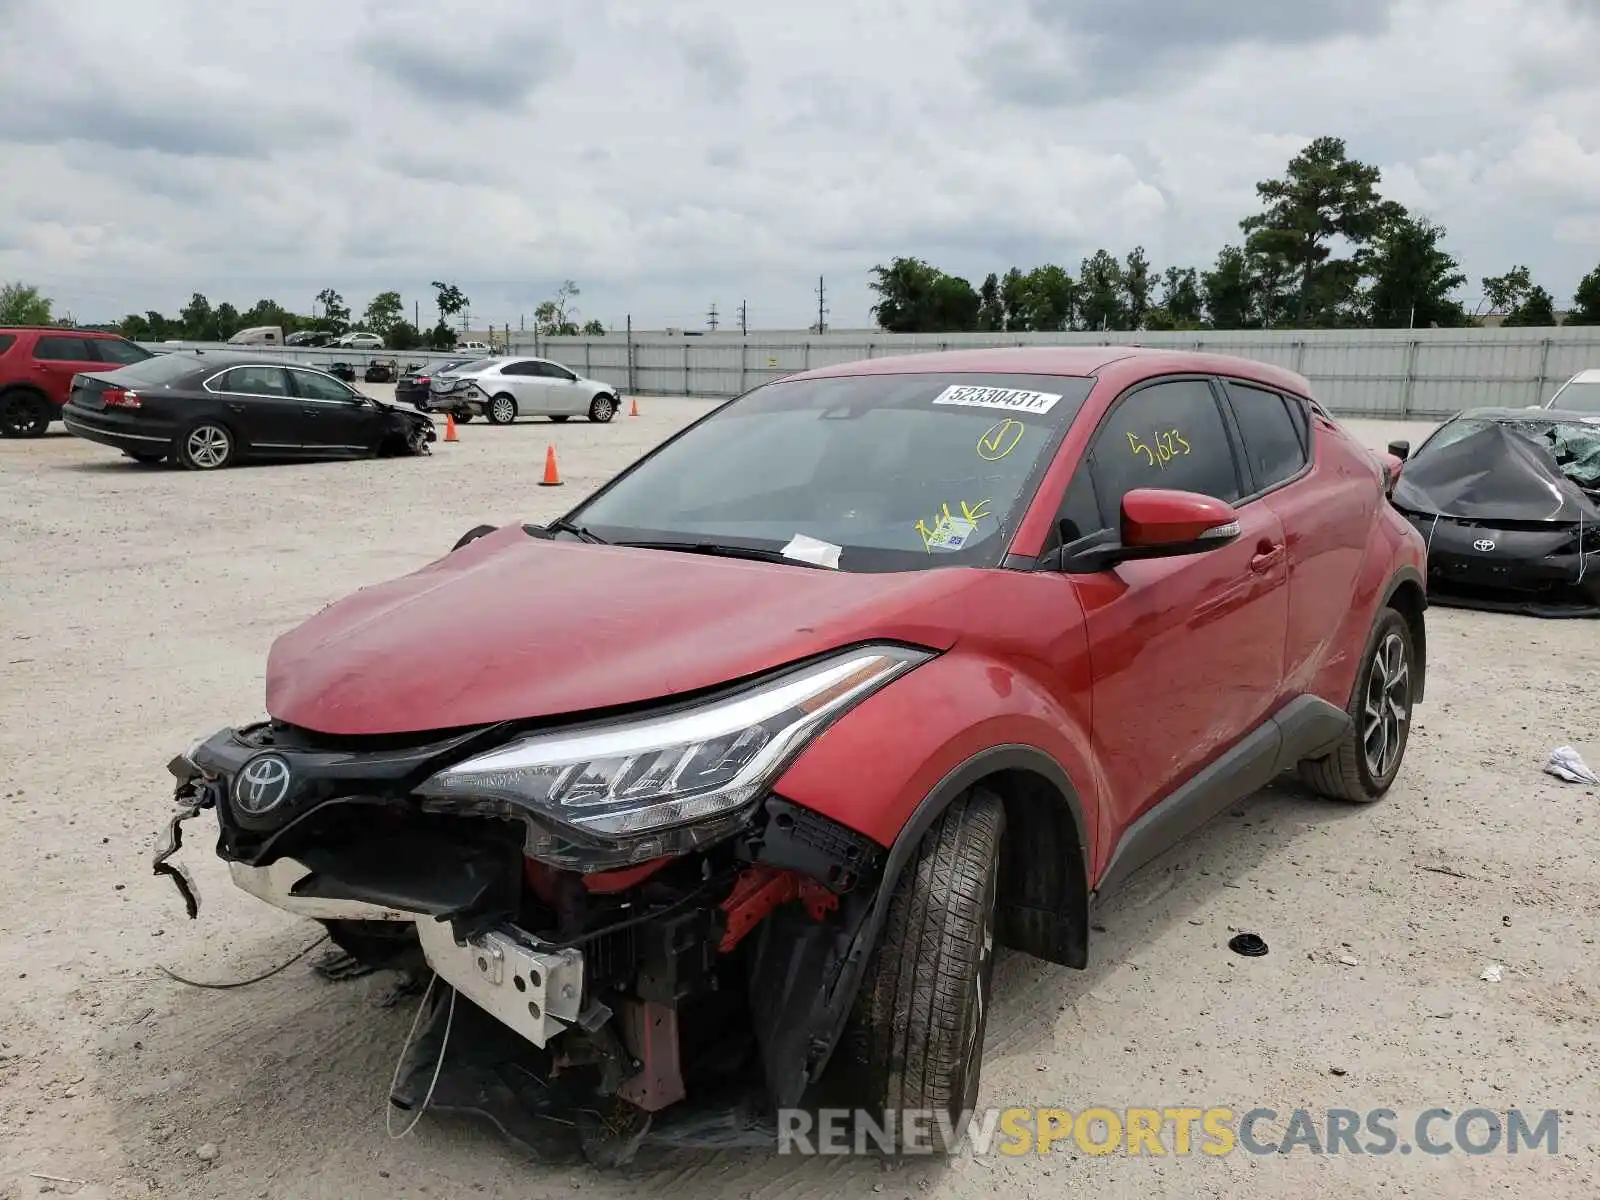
x,y
1248,944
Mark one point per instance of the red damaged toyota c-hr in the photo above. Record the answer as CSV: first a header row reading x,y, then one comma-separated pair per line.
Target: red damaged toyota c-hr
x,y
738,771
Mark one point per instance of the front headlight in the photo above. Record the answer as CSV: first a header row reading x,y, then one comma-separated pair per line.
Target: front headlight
x,y
646,774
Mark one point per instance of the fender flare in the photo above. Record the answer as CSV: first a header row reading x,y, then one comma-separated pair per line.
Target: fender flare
x,y
836,1003
1409,574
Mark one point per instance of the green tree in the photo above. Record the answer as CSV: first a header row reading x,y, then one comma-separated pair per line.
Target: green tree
x,y
335,312
594,328
135,328
401,335
1586,301
1538,308
991,313
1520,301
1413,278
914,297
1136,288
1101,288
23,304
384,312
196,320
1181,305
550,321
1230,290
1012,299
227,321
1046,300
451,300
1323,195
267,312
441,336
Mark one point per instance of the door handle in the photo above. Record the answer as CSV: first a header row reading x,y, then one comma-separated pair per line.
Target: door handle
x,y
238,408
311,411
1266,557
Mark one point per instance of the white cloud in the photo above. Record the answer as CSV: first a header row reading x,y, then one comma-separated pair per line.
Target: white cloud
x,y
666,158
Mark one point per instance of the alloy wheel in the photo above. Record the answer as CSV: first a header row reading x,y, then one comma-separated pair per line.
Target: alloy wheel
x,y
209,446
504,411
1387,707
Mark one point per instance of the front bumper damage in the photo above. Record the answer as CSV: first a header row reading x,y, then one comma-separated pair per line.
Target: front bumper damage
x,y
678,999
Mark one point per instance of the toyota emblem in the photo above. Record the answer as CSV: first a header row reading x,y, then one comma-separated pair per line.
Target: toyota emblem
x,y
1484,544
261,785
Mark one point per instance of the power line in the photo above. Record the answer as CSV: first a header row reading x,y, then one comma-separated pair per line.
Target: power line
x,y
822,310
711,317
744,317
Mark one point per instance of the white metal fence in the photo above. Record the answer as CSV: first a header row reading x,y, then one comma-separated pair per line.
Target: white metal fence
x,y
1371,373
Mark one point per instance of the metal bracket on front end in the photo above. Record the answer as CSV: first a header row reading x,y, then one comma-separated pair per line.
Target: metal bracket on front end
x,y
537,994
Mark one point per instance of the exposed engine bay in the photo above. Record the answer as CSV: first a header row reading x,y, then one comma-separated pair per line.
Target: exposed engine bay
x,y
675,987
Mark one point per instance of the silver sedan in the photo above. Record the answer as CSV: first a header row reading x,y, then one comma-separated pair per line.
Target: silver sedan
x,y
511,386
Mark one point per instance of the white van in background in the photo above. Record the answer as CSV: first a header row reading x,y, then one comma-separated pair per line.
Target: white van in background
x,y
258,335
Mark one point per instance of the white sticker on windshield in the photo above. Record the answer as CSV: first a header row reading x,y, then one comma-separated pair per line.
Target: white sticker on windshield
x,y
813,550
1011,399
951,533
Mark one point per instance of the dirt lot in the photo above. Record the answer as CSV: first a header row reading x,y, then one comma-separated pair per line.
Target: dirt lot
x,y
136,612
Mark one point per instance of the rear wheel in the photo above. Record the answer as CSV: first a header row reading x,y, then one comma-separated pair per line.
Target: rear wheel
x,y
207,446
915,1037
24,414
602,409
1364,764
502,410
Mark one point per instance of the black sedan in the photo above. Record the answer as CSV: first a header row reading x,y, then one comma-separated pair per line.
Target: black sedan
x,y
208,411
413,385
1509,502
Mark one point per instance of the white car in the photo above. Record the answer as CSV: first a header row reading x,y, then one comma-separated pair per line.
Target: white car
x,y
513,386
476,347
360,341
1580,394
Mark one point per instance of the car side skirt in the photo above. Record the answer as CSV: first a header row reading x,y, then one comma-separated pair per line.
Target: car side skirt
x,y
1304,728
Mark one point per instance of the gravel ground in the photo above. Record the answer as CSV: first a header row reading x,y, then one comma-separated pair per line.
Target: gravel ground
x,y
137,609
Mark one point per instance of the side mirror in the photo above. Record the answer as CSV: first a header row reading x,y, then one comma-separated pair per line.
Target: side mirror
x,y
1160,523
1401,450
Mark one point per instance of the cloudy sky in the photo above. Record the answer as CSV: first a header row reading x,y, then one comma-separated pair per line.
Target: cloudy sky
x,y
668,155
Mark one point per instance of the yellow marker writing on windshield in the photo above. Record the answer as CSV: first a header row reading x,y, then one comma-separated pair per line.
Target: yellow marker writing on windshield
x,y
942,519
1000,440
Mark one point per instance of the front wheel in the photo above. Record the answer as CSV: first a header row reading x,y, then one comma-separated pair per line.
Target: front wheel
x,y
602,409
915,1037
1364,764
24,415
502,410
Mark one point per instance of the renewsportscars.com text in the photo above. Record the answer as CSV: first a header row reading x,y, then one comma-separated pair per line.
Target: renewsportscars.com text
x,y
1162,1132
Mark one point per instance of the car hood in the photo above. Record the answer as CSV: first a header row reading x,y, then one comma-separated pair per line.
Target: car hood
x,y
515,627
1495,474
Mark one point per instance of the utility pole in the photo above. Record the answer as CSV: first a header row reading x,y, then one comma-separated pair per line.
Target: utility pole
x,y
822,310
416,316
744,318
711,317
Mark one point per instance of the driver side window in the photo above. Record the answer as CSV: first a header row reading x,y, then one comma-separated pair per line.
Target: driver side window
x,y
1166,435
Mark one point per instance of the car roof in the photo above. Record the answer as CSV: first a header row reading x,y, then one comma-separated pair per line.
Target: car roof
x,y
1085,361
65,330
1523,414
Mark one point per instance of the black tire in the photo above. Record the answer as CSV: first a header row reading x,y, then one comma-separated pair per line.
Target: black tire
x,y
559,420
25,414
502,409
188,446
915,1037
602,409
462,416
472,535
1388,671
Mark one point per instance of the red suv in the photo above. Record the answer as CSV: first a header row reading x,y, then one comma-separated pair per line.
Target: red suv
x,y
746,763
37,363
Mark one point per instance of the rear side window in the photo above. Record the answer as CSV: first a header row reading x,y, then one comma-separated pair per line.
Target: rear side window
x,y
315,386
1274,445
7,340
1167,435
254,381
54,348
116,350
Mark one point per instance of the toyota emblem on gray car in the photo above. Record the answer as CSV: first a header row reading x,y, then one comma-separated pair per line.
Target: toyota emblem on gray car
x,y
1484,544
261,785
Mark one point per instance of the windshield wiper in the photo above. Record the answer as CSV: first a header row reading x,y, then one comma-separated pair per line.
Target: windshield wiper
x,y
578,531
724,550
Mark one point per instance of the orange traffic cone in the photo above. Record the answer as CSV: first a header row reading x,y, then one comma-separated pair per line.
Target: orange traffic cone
x,y
450,428
634,412
552,477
